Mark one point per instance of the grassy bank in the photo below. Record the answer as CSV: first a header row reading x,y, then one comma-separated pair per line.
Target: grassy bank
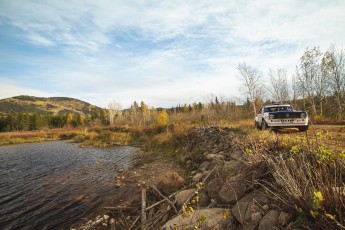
x,y
8,138
305,171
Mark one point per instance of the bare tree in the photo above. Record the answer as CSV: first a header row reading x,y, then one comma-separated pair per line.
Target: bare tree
x,y
308,73
252,82
333,65
280,89
115,111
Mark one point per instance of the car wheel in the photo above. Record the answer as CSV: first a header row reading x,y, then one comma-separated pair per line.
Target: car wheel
x,y
264,125
257,125
303,128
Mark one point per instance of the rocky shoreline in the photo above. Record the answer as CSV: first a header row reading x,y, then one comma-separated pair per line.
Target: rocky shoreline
x,y
223,189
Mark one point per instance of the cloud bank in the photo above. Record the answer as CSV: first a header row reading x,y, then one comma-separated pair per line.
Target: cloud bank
x,y
162,52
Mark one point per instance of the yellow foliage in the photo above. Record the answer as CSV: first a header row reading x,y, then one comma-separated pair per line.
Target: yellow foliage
x,y
69,119
163,118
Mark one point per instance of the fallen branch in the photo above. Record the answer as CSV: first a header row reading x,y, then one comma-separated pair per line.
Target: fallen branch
x,y
166,198
135,221
120,208
143,209
161,201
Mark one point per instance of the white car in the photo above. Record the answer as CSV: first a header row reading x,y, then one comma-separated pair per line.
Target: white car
x,y
281,116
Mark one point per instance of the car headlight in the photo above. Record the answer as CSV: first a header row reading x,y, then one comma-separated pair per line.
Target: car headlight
x,y
303,115
271,116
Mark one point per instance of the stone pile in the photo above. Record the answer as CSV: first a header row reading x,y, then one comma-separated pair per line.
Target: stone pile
x,y
248,205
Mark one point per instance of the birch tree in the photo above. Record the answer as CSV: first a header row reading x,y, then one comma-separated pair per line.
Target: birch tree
x,y
308,73
252,83
333,65
280,89
115,111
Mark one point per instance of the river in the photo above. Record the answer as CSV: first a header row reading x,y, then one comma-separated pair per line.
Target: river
x,y
52,185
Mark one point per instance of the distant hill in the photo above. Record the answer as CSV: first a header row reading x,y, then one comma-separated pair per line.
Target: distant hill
x,y
43,105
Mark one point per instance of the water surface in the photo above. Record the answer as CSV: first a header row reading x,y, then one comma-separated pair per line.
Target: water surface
x,y
52,185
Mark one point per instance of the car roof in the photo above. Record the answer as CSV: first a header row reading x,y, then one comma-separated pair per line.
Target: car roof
x,y
268,106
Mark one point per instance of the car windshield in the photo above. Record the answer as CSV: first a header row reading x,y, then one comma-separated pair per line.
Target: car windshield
x,y
278,108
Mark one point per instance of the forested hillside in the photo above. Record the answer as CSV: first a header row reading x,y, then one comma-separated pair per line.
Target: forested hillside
x,y
50,105
34,113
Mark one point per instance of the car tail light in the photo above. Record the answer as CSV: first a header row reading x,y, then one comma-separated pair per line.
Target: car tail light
x,y
271,116
303,115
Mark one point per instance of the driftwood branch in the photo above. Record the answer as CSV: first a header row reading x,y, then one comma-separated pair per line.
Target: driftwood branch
x,y
143,209
111,208
161,201
166,198
135,221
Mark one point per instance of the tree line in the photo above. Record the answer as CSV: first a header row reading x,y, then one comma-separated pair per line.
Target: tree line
x,y
17,121
317,86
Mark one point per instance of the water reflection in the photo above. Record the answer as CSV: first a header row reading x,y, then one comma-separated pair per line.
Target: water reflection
x,y
52,185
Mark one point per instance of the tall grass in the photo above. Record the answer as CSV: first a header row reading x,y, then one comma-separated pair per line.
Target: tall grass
x,y
305,175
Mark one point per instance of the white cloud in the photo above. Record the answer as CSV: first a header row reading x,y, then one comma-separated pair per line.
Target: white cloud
x,y
166,51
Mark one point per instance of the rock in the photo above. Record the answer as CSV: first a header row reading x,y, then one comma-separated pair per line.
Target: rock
x,y
197,177
269,221
254,208
283,218
265,207
248,205
98,221
227,224
170,183
232,191
204,200
213,156
214,217
210,156
236,154
106,217
204,166
256,217
213,188
181,197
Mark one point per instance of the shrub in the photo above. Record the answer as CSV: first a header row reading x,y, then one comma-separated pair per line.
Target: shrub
x,y
305,175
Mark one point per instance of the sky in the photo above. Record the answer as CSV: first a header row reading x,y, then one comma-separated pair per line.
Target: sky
x,y
162,52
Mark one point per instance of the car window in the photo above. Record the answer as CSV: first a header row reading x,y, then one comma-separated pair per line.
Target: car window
x,y
273,109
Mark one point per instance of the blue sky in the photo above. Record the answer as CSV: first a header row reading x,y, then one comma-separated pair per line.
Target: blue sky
x,y
162,52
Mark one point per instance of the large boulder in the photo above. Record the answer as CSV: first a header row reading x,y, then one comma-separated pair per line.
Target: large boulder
x,y
213,219
182,196
170,183
213,188
237,186
233,190
248,210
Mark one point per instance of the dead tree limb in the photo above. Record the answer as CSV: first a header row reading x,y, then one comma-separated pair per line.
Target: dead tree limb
x,y
166,198
143,209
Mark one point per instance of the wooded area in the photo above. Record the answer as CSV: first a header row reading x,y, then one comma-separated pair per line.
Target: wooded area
x,y
317,86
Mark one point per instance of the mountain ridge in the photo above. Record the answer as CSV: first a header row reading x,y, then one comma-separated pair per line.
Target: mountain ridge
x,y
46,105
